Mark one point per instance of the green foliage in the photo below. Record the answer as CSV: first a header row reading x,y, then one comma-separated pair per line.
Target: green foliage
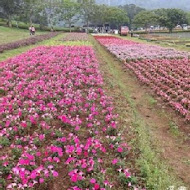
x,y
132,10
16,153
188,17
125,181
111,131
69,11
2,92
2,183
174,128
145,19
87,10
117,16
4,141
9,9
100,16
170,18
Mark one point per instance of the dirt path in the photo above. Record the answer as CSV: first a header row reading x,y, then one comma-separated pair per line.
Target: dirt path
x,y
171,145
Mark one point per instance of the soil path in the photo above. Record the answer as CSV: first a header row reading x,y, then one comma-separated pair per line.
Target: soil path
x,y
174,149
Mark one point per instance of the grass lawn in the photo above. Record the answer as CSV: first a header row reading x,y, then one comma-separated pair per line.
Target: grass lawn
x,y
13,34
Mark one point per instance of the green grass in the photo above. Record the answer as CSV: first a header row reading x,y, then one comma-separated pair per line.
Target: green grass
x,y
13,34
174,129
151,100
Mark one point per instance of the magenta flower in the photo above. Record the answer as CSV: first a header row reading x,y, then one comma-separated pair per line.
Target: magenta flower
x,y
114,161
93,181
120,149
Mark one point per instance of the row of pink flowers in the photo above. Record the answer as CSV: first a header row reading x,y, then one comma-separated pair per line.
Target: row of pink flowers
x,y
55,118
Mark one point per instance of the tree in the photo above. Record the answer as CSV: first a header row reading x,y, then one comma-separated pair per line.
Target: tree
x,y
87,10
9,9
100,15
52,7
29,10
132,10
69,11
145,19
170,18
116,17
188,18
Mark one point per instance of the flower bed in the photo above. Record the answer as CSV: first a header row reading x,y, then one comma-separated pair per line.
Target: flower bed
x,y
168,78
142,51
76,37
56,119
165,70
27,42
129,50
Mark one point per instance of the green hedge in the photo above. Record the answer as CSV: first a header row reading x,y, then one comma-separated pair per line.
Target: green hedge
x,y
22,25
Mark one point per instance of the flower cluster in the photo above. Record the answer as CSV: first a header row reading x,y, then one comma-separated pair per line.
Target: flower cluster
x,y
165,70
26,42
54,120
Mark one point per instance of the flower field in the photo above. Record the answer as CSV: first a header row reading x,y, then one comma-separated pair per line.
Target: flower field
x,y
166,71
56,120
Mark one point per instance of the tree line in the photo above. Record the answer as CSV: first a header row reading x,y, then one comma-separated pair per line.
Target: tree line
x,y
51,12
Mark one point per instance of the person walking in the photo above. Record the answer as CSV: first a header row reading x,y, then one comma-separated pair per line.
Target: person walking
x,y
33,30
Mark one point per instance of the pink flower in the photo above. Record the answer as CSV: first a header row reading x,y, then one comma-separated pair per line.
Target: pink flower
x,y
93,181
74,178
41,180
24,124
96,186
33,175
63,118
55,174
42,137
114,161
120,149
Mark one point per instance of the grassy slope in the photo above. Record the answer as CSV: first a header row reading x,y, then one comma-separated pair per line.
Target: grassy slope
x,y
12,34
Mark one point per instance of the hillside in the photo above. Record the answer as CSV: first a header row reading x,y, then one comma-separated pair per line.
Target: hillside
x,y
151,4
